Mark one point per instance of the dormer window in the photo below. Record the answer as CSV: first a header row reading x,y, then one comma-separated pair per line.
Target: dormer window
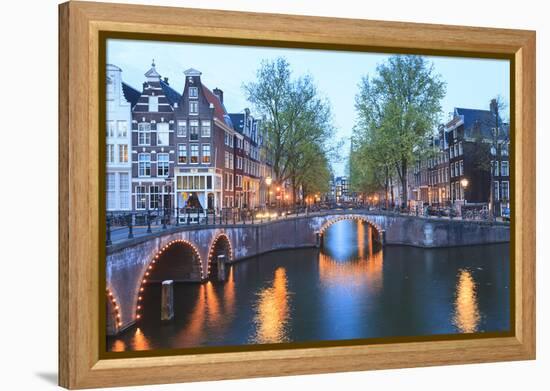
x,y
193,92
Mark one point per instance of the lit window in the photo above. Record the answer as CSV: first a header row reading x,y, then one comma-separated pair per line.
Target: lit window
x,y
194,153
123,153
182,153
206,153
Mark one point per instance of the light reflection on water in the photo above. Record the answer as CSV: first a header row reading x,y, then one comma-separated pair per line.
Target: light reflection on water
x,y
272,311
466,317
351,289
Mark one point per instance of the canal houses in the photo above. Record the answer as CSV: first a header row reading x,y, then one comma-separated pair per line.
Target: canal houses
x,y
204,172
477,145
247,164
120,99
153,152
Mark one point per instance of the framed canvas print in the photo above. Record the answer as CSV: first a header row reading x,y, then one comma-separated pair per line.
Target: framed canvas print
x,y
247,195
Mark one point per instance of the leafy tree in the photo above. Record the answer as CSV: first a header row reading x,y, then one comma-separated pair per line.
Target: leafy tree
x,y
397,112
298,121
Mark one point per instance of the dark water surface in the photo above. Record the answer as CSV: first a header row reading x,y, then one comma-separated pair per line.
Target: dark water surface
x,y
348,290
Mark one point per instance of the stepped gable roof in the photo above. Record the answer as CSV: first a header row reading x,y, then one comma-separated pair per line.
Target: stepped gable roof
x,y
130,93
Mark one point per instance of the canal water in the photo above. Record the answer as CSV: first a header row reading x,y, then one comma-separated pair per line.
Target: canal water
x,y
348,290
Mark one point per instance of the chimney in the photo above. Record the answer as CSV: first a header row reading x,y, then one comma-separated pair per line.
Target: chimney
x,y
166,80
219,94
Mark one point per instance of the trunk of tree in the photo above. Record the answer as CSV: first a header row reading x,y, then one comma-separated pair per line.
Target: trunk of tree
x,y
391,191
386,186
403,177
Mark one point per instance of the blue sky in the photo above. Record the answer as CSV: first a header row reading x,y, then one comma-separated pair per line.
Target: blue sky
x,y
471,83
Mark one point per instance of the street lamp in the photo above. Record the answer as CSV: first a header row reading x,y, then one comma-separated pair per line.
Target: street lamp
x,y
268,182
464,183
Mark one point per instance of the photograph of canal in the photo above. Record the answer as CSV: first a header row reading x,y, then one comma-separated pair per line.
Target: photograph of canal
x,y
276,197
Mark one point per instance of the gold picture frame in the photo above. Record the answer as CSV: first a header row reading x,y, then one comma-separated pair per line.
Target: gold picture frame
x,y
82,29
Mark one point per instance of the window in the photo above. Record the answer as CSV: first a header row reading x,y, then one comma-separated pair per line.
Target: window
x,y
451,151
194,130
144,133
141,197
162,164
194,153
154,197
144,164
193,107
110,153
226,159
111,191
111,128
123,153
154,103
231,160
206,153
182,153
163,134
452,170
205,128
462,167
124,190
505,190
460,151
122,128
495,166
496,195
504,168
504,149
193,92
182,129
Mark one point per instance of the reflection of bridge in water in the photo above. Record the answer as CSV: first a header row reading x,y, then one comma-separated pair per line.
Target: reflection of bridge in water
x,y
189,253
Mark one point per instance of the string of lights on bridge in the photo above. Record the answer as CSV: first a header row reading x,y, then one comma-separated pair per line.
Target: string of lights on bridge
x,y
378,228
116,307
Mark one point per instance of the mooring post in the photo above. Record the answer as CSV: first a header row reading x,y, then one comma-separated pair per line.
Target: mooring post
x,y
167,301
221,267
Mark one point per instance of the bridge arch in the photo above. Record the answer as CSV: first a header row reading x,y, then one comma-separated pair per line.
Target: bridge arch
x,y
335,219
112,312
155,262
220,245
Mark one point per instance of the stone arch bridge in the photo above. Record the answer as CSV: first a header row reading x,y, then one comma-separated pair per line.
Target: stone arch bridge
x,y
188,253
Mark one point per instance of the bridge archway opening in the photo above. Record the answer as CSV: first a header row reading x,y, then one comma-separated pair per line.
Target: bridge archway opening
x,y
179,261
221,245
375,232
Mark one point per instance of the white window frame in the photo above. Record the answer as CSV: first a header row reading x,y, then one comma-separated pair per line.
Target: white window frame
x,y
144,130
138,195
165,132
146,165
163,165
193,92
152,199
184,149
208,128
204,155
193,107
194,135
496,191
123,152
182,128
191,148
504,168
110,153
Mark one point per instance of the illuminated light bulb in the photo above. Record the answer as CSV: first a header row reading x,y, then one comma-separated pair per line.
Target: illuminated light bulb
x,y
150,267
146,273
139,298
138,307
116,307
119,324
141,289
144,281
138,316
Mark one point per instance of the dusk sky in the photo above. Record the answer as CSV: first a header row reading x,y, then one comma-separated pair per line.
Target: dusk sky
x,y
471,83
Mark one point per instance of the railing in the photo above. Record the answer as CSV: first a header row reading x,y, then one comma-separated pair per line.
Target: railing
x,y
127,225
